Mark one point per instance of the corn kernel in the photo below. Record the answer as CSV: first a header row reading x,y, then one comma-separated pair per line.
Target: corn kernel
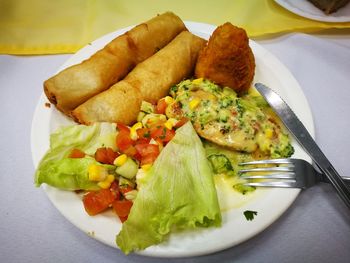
x,y
168,100
265,145
120,160
136,126
194,103
133,129
269,133
168,125
97,173
107,182
110,178
146,167
173,121
197,81
150,119
104,184
133,134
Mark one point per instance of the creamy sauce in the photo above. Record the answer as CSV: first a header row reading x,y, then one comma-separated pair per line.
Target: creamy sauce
x,y
235,128
228,197
242,123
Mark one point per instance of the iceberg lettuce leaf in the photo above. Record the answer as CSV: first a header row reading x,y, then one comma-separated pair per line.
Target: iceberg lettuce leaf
x,y
179,192
69,174
57,170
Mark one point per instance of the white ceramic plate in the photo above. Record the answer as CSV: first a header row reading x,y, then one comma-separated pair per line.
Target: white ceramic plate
x,y
269,203
308,10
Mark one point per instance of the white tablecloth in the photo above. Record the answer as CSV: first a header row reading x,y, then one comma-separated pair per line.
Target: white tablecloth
x,y
316,228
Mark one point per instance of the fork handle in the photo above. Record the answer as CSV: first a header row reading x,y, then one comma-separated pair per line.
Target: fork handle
x,y
300,133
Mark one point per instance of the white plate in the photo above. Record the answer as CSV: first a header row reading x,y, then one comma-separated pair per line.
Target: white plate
x,y
306,9
270,204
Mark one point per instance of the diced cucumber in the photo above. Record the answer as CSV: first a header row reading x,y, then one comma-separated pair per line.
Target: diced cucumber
x,y
128,169
123,182
147,107
141,116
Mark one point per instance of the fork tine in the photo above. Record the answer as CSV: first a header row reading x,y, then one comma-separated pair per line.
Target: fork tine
x,y
267,169
285,184
270,161
271,176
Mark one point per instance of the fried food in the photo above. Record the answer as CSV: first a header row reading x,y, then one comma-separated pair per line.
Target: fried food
x,y
149,81
76,84
227,60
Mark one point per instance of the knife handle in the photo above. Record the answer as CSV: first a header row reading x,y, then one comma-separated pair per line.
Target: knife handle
x,y
308,143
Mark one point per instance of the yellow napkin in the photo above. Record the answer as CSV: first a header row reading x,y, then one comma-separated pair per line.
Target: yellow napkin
x,y
64,26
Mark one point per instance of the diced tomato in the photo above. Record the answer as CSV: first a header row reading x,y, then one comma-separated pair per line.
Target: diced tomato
x,y
123,140
149,159
105,155
123,189
111,155
144,133
97,202
130,151
148,152
122,127
122,208
144,136
142,141
169,135
181,122
161,106
123,218
146,149
76,153
162,133
114,188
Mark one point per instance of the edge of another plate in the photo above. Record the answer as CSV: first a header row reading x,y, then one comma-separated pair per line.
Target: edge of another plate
x,y
308,10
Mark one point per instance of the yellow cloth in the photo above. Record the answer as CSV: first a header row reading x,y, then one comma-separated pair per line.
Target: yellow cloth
x,y
64,26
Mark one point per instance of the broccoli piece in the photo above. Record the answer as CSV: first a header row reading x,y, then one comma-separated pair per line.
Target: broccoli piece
x,y
243,189
283,149
221,164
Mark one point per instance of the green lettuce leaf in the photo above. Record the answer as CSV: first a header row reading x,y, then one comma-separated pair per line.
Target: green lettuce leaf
x,y
69,174
57,170
179,192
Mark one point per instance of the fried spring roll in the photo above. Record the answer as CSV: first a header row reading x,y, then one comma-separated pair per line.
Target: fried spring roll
x,y
76,84
149,81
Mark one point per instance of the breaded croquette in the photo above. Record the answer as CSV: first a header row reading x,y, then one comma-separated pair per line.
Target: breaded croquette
x,y
227,60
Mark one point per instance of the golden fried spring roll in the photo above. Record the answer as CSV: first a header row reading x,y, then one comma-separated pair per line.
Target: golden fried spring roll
x,y
76,84
149,80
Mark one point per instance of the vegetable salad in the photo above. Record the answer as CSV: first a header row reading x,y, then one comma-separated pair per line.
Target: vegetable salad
x,y
158,174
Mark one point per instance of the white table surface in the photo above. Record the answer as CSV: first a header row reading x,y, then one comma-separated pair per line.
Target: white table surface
x,y
316,228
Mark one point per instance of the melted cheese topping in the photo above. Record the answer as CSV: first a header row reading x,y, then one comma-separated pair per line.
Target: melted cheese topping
x,y
240,123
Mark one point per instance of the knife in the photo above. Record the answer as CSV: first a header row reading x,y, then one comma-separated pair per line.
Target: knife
x,y
300,133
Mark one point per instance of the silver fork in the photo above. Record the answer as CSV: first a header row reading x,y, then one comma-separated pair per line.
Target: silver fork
x,y
288,173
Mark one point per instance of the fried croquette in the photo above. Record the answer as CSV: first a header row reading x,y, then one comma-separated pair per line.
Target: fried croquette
x,y
227,60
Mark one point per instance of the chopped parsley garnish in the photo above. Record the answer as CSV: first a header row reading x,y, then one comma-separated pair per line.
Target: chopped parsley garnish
x,y
249,215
